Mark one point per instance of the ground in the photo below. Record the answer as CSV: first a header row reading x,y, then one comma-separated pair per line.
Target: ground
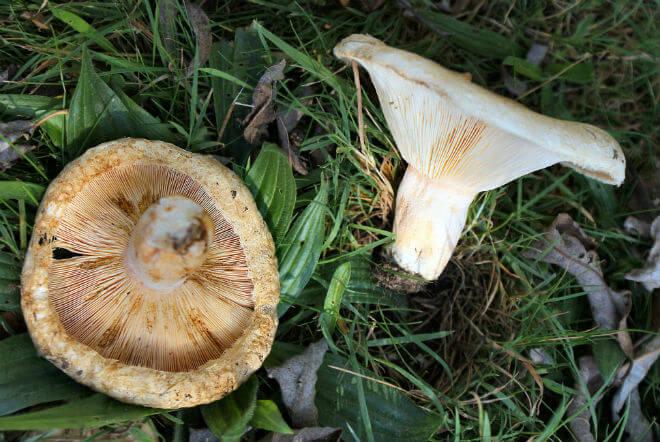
x,y
454,360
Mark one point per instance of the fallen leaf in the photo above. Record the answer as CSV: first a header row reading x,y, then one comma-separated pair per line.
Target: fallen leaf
x,y
589,382
635,372
565,244
199,22
287,120
637,426
539,356
309,434
202,28
263,111
204,435
36,18
9,133
649,275
536,53
636,226
297,379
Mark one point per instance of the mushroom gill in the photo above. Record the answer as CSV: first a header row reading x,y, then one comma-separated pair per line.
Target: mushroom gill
x,y
103,303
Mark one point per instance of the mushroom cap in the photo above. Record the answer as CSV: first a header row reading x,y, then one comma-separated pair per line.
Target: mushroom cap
x,y
97,322
447,126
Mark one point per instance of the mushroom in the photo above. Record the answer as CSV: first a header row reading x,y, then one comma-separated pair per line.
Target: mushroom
x,y
151,276
460,139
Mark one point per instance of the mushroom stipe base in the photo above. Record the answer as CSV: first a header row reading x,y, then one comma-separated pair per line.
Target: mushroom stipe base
x,y
151,308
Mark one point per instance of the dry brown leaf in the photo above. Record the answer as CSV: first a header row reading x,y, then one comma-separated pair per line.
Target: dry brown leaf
x,y
309,434
263,106
565,244
297,379
202,27
287,120
9,133
649,275
199,22
635,372
589,382
637,426
636,226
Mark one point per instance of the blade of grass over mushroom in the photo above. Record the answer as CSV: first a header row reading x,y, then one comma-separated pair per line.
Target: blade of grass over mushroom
x,y
301,248
91,412
271,181
27,380
229,417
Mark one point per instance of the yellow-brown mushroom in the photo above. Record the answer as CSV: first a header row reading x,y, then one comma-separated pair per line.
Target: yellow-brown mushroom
x,y
151,276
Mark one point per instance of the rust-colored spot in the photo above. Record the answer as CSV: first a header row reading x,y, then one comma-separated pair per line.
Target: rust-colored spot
x,y
147,200
111,334
96,263
125,206
200,325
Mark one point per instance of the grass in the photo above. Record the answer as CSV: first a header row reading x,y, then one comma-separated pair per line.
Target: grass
x,y
459,348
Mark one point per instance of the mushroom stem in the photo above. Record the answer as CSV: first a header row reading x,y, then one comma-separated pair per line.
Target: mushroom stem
x,y
169,242
429,218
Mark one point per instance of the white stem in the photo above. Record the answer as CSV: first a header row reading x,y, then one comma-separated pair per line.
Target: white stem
x,y
429,218
169,242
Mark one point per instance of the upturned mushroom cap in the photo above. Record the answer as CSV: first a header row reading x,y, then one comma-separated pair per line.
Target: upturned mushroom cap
x,y
460,139
446,126
151,275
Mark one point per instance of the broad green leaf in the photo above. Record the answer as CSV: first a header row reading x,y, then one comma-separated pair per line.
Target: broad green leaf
x,y
229,417
80,25
27,380
235,68
19,105
18,190
392,415
91,412
302,247
333,298
268,417
271,182
97,114
474,39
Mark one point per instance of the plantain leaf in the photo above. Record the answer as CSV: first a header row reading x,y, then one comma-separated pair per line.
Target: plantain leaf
x,y
19,105
271,181
340,393
27,380
268,417
93,411
229,417
97,114
301,248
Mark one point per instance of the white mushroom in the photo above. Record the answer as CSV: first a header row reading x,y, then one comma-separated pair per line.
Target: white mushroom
x,y
460,139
